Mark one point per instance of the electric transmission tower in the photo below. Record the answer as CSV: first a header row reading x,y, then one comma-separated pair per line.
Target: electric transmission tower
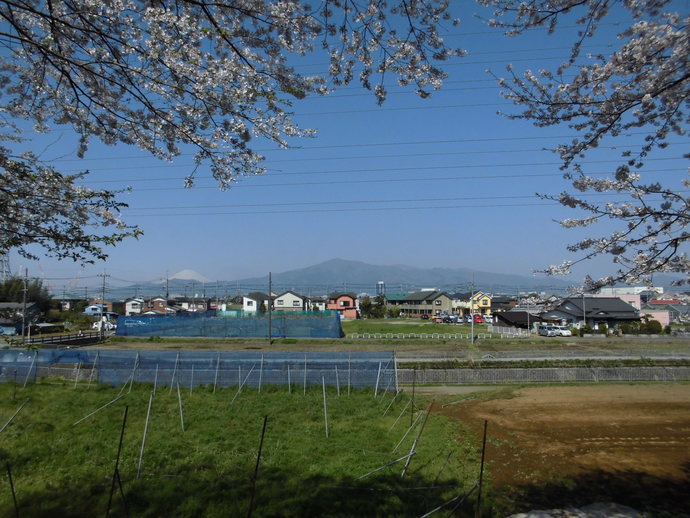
x,y
5,272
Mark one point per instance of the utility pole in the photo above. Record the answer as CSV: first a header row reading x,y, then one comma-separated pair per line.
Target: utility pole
x,y
101,327
26,288
270,312
472,312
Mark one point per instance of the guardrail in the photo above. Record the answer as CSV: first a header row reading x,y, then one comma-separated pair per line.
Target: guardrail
x,y
59,341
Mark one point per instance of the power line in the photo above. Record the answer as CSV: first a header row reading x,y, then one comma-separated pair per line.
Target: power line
x,y
394,180
293,150
377,201
361,209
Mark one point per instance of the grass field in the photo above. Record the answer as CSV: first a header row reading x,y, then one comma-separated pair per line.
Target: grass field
x,y
60,468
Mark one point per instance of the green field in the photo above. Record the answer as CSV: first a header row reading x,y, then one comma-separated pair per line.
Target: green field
x,y
60,468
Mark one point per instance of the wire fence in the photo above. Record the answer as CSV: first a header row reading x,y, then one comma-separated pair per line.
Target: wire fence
x,y
419,336
191,368
541,375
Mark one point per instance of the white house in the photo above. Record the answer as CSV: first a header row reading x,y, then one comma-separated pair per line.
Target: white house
x,y
289,301
135,306
252,302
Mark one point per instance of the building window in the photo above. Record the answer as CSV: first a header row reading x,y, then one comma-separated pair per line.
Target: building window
x,y
344,303
280,302
438,302
250,303
296,303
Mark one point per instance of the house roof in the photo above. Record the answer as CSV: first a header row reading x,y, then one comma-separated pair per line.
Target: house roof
x,y
396,297
468,295
338,294
425,295
291,293
516,318
602,307
258,296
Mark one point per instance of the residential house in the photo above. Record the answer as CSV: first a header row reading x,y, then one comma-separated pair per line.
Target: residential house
x,y
502,303
610,311
343,303
617,291
677,313
135,306
255,301
316,304
160,305
634,299
11,316
420,303
470,303
191,303
290,301
97,307
663,316
515,318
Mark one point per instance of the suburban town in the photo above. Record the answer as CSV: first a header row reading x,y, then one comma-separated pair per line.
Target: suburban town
x,y
618,310
344,259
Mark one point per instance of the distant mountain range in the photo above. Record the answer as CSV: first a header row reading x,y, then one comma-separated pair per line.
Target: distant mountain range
x,y
346,275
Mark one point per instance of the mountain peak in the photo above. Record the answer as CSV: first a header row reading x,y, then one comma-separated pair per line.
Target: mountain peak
x,y
189,275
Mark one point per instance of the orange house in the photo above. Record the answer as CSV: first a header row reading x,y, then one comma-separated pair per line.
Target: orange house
x,y
343,303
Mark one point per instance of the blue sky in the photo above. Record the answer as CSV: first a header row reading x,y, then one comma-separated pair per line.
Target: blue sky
x,y
440,182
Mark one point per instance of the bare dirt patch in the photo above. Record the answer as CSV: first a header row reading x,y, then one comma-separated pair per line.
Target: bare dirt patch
x,y
578,444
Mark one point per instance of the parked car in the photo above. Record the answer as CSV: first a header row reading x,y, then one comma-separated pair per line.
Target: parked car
x,y
478,319
563,331
468,318
488,319
425,317
107,326
546,330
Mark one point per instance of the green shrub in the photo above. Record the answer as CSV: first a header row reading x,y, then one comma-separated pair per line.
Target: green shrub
x,y
653,327
585,330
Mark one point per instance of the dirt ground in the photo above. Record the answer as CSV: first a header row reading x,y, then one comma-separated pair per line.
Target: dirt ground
x,y
575,445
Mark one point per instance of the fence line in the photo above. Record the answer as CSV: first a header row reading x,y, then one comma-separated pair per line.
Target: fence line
x,y
422,336
542,375
195,368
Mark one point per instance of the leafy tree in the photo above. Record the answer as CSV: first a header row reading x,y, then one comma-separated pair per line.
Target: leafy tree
x,y
641,85
393,312
180,74
373,309
365,306
379,308
12,290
